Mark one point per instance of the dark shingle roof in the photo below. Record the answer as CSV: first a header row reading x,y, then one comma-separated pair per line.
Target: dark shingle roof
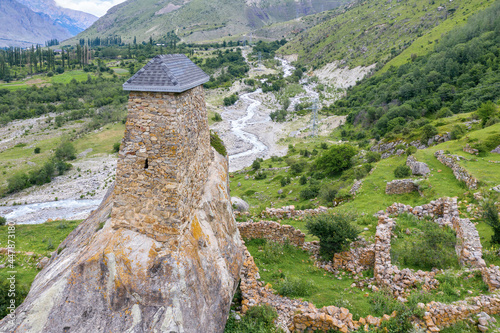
x,y
167,73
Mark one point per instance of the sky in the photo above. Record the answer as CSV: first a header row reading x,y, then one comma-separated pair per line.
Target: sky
x,y
96,7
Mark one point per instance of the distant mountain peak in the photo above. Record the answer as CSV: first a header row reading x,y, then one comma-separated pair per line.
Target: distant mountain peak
x,y
73,21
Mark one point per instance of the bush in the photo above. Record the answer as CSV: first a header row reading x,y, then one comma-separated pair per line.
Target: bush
x,y
372,157
334,231
217,117
260,175
3,220
218,144
486,111
328,193
37,150
402,171
336,159
296,287
65,151
428,131
285,181
444,113
297,167
230,100
490,216
457,132
116,147
258,319
303,180
256,164
310,192
411,150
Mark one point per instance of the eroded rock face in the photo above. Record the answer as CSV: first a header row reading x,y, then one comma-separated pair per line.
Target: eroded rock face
x,y
121,280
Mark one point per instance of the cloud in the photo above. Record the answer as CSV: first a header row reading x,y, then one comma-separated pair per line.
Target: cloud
x,y
96,7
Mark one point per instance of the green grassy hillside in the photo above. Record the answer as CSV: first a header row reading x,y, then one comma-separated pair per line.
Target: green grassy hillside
x,y
370,32
197,20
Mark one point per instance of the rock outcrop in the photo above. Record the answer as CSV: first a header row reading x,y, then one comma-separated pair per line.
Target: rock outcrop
x,y
417,168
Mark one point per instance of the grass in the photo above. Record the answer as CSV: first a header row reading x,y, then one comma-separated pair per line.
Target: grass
x,y
423,244
101,142
375,31
41,239
290,263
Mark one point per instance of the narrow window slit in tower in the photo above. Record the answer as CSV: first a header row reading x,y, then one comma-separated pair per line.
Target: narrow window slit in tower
x,y
146,164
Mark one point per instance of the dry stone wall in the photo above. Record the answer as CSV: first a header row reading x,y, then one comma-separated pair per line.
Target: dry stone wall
x,y
401,186
470,150
272,231
460,173
469,249
163,162
290,212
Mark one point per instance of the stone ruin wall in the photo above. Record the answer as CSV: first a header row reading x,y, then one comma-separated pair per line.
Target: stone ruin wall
x,y
298,316
460,173
401,186
163,162
271,231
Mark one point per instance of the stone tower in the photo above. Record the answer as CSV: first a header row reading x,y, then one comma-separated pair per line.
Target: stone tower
x,y
165,153
162,253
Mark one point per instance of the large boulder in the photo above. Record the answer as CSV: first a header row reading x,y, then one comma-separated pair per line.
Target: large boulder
x,y
112,279
239,204
417,168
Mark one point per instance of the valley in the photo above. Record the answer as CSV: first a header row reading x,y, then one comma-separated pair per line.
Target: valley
x,y
351,182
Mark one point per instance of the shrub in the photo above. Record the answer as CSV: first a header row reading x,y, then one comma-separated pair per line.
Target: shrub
x,y
411,150
334,231
217,143
256,165
402,171
296,287
490,216
217,117
296,167
457,132
328,193
260,175
428,131
336,159
116,147
65,151
258,319
372,157
310,192
285,181
3,220
444,113
486,111
303,180
230,100
37,150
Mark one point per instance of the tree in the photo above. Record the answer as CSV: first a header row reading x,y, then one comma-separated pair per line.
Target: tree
x,y
486,111
256,165
336,159
334,231
428,131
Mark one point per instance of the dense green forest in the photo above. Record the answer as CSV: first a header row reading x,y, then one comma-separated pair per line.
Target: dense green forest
x,y
458,76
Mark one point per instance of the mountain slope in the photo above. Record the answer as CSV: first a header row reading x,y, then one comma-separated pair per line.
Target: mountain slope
x,y
198,20
23,27
72,20
376,31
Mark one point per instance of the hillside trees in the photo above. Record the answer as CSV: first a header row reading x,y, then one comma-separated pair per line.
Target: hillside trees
x,y
461,74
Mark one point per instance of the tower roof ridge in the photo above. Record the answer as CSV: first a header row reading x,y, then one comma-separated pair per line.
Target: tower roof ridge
x,y
167,73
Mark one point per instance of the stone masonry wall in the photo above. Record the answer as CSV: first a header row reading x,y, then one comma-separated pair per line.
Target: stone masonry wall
x,y
272,231
460,173
400,186
163,162
290,211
